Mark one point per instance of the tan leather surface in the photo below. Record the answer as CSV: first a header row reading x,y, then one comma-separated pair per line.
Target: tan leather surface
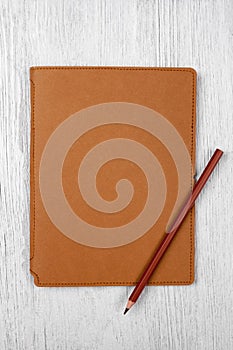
x,y
56,94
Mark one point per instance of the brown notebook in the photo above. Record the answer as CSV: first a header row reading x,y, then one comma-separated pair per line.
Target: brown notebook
x,y
112,159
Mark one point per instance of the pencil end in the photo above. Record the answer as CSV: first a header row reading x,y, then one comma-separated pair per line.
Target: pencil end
x,y
128,306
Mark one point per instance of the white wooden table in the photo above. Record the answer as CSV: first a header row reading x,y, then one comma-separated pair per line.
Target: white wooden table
x,y
197,33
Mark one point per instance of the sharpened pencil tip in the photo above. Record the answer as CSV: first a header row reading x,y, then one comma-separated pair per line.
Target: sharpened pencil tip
x,y
126,310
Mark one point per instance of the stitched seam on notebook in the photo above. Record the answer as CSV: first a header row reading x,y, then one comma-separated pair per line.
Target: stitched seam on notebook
x,y
32,188
188,70
191,152
114,68
99,283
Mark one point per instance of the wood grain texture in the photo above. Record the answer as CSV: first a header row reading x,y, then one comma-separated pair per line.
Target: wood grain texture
x,y
197,33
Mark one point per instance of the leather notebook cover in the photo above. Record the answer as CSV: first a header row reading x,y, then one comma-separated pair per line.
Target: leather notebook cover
x,y
112,154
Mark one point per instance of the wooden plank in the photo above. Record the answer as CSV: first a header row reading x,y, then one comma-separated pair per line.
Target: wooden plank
x,y
123,32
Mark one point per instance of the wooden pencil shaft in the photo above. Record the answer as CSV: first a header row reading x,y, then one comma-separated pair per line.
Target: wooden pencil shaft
x,y
168,237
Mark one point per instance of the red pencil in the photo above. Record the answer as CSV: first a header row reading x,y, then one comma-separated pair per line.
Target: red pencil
x,y
172,232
